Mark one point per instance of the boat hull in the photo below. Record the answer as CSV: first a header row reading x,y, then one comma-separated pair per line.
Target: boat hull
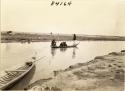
x,y
11,83
71,46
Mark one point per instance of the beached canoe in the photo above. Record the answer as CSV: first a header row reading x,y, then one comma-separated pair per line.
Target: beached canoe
x,y
69,46
13,76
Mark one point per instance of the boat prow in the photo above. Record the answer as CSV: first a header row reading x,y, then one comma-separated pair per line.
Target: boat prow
x,y
13,76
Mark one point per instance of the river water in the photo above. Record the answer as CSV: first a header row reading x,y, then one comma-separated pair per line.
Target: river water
x,y
53,59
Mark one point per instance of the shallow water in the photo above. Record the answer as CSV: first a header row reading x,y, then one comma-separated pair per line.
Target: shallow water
x,y
54,59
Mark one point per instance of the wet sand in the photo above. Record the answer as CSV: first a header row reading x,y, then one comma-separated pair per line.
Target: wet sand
x,y
103,73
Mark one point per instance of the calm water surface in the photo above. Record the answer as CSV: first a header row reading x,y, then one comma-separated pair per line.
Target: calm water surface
x,y
16,53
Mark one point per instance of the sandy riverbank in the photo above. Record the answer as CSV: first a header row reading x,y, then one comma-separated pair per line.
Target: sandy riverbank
x,y
103,73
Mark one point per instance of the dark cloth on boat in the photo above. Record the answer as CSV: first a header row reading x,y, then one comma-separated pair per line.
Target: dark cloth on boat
x,y
63,44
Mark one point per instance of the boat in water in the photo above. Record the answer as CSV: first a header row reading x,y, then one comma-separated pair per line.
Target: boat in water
x,y
12,76
68,46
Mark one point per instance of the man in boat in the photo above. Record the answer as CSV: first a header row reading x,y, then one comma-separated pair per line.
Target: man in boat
x,y
74,38
53,43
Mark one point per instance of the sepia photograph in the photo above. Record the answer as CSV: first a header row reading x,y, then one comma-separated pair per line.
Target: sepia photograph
x,y
62,45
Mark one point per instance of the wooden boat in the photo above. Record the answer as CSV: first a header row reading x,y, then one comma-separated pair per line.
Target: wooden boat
x,y
13,76
69,46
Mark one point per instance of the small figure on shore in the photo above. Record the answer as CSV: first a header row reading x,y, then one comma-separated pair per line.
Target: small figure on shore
x,y
53,43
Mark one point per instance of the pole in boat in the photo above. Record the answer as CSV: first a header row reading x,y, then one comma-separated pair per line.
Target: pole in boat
x,y
51,35
58,36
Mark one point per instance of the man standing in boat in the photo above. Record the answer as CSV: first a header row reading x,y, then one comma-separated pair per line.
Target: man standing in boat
x,y
74,38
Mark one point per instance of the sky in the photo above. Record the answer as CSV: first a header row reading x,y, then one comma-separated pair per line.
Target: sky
x,y
94,17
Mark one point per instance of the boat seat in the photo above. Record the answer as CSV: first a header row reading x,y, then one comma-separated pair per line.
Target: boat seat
x,y
11,74
1,81
16,71
8,77
4,79
21,68
1,84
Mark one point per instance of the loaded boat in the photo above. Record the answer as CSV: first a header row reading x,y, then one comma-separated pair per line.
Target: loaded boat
x,y
12,76
68,46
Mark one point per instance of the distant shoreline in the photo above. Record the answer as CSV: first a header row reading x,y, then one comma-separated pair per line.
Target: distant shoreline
x,y
12,37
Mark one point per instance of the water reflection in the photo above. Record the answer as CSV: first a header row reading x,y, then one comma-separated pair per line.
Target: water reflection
x,y
7,47
23,83
74,53
63,49
54,51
